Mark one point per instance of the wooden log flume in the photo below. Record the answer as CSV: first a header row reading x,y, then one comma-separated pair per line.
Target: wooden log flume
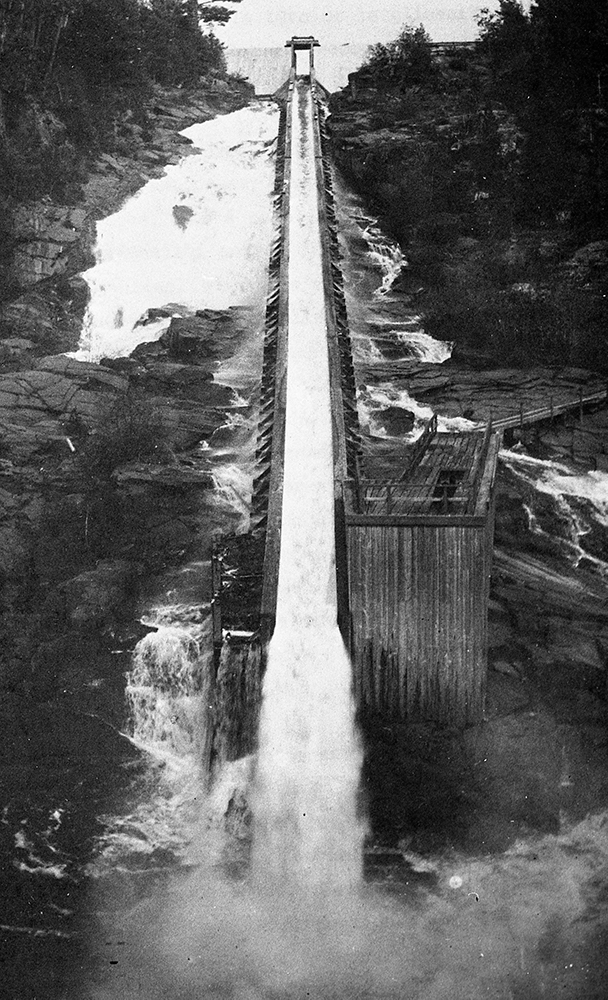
x,y
413,555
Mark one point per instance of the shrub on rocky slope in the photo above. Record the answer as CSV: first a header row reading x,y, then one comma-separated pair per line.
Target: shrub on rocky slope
x,y
450,164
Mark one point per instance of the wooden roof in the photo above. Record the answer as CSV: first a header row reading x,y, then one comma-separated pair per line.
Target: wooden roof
x,y
445,480
301,42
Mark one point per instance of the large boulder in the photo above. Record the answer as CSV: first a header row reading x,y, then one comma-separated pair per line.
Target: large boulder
x,y
100,595
29,316
589,264
165,477
37,406
395,420
207,334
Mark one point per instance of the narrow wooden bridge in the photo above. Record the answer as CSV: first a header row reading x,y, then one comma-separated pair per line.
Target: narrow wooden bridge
x,y
412,554
556,405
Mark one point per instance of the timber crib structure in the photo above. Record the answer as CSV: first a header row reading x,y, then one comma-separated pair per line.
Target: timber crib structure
x,y
413,555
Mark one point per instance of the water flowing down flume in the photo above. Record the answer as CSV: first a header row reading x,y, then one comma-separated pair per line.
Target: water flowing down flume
x,y
190,907
305,800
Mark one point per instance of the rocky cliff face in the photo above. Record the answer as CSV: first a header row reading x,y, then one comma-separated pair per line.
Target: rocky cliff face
x,y
102,483
44,300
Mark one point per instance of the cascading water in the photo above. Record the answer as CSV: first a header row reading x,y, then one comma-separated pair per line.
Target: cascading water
x,y
568,507
195,238
384,326
309,759
167,691
386,255
175,915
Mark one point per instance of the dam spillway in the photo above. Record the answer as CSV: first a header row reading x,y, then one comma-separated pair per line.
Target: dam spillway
x,y
405,563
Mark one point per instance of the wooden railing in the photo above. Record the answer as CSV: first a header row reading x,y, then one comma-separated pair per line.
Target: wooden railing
x,y
385,498
481,462
553,408
420,445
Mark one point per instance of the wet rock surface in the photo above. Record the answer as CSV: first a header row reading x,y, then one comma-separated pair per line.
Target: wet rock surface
x,y
54,243
539,761
539,758
84,527
521,791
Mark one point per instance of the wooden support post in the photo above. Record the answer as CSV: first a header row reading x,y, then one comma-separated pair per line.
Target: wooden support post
x,y
216,590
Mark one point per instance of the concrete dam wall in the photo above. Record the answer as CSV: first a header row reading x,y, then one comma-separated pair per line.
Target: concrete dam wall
x,y
268,68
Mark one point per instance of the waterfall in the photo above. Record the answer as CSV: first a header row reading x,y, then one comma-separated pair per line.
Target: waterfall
x,y
305,818
194,238
567,507
168,693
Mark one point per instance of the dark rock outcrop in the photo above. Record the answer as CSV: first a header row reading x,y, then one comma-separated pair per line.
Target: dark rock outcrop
x,y
100,595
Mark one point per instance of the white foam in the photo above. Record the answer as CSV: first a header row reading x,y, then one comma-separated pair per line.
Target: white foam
x,y
565,485
198,236
426,348
372,400
233,486
559,480
385,255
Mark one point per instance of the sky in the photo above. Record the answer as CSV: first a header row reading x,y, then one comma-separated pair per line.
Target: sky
x,y
337,22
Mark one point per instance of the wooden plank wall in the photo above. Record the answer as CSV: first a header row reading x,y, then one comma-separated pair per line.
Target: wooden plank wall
x,y
418,603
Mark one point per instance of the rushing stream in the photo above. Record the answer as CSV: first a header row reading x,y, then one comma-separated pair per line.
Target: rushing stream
x,y
175,903
195,238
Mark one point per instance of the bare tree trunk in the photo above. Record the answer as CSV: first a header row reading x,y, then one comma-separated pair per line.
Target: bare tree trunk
x,y
192,6
2,121
32,50
61,26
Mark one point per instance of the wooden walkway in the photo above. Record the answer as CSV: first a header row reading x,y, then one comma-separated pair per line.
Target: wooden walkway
x,y
444,481
556,406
